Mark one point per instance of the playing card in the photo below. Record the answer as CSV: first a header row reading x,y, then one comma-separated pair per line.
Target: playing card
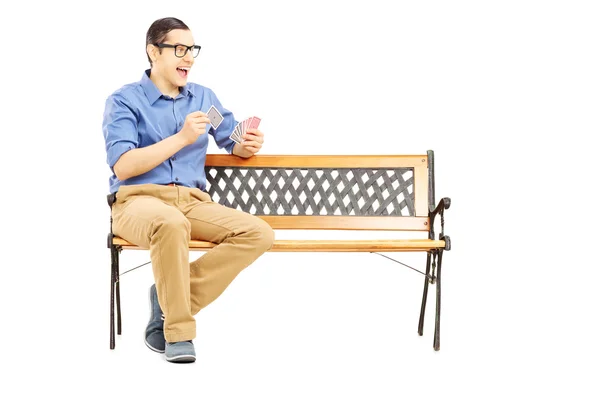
x,y
236,134
215,117
246,126
254,122
234,138
238,131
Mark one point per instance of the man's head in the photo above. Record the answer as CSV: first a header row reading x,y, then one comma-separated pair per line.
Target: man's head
x,y
171,49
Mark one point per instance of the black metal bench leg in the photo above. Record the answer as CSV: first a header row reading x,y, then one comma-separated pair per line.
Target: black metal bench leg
x,y
438,298
113,273
425,287
118,287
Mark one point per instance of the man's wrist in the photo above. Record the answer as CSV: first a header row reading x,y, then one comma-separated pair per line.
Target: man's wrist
x,y
239,151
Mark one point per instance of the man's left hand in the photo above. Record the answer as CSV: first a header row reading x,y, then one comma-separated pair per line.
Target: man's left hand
x,y
253,141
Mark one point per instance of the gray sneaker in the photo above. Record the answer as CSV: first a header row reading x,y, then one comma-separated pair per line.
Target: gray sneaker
x,y
180,352
155,335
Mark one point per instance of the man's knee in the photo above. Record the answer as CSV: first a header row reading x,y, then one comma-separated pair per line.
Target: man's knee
x,y
264,235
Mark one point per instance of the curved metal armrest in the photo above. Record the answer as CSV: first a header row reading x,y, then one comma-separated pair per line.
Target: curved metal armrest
x,y
111,198
444,204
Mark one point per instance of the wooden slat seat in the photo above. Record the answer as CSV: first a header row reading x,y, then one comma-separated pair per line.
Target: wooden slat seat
x,y
324,245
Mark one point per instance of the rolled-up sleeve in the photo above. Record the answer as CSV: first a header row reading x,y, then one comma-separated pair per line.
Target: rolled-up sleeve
x,y
222,133
119,127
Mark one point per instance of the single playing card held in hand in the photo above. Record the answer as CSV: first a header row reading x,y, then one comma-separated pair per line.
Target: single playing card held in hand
x,y
215,117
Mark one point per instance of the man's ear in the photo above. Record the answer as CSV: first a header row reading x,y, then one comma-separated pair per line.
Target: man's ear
x,y
151,49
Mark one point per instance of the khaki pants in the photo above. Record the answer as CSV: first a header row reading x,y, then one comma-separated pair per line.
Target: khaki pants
x,y
163,219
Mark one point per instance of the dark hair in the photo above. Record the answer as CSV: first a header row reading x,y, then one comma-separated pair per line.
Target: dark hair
x,y
159,29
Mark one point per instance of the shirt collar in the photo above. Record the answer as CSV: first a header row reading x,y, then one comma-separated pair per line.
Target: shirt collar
x,y
152,92
185,91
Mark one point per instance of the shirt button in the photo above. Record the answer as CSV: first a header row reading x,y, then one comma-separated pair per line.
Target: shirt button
x,y
173,158
177,179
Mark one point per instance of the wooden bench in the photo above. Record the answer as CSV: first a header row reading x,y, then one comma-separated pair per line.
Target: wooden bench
x,y
375,193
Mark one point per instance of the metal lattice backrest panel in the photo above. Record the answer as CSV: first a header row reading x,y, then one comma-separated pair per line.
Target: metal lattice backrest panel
x,y
314,191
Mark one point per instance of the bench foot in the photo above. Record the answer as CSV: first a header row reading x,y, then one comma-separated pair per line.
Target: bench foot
x,y
114,289
112,297
425,287
438,300
118,288
434,279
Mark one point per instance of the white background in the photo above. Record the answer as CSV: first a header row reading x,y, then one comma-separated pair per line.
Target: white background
x,y
504,92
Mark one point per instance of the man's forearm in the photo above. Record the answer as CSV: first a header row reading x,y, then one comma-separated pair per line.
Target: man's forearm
x,y
138,161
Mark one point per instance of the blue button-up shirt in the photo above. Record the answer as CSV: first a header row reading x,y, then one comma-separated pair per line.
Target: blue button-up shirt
x,y
138,115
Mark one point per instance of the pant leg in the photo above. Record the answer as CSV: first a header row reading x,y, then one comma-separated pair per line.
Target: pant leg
x,y
147,215
241,239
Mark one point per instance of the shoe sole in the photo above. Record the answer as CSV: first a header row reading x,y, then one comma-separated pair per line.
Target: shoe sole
x,y
182,359
152,348
145,340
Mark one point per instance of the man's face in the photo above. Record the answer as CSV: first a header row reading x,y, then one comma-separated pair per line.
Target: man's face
x,y
173,69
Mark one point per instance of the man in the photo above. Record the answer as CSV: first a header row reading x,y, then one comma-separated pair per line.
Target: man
x,y
156,140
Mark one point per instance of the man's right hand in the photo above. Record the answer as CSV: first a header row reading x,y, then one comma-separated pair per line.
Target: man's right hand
x,y
193,127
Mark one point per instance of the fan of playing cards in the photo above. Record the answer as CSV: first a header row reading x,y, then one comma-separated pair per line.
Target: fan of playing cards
x,y
241,128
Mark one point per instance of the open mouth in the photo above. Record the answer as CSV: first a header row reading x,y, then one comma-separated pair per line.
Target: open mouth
x,y
183,72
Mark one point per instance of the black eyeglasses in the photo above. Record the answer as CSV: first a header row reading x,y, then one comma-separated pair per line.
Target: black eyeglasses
x,y
180,49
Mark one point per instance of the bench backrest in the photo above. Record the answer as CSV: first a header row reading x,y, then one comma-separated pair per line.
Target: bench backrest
x,y
390,192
